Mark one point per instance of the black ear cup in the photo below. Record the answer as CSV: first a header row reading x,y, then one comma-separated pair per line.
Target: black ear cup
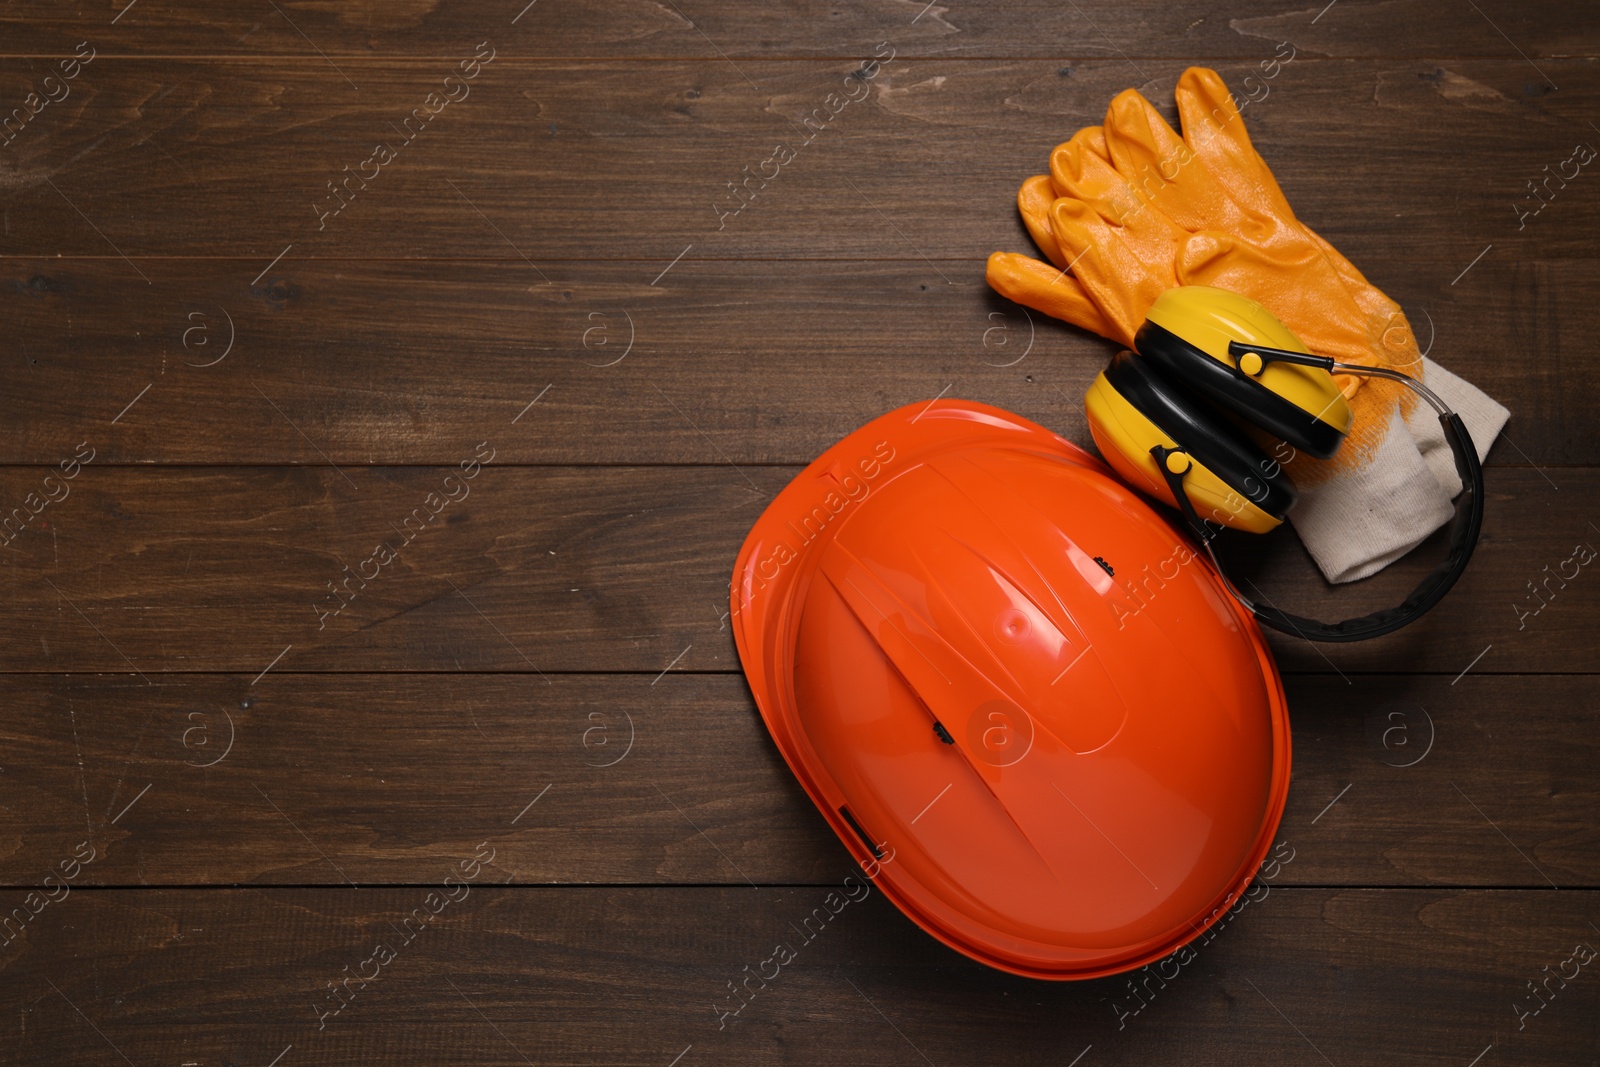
x,y
1185,363
1211,439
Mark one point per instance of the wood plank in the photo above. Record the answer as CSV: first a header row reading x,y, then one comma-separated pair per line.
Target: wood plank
x,y
516,975
754,362
381,779
635,28
557,164
600,569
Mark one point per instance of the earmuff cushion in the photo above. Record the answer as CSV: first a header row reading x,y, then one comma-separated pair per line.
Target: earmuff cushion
x,y
1183,362
1210,438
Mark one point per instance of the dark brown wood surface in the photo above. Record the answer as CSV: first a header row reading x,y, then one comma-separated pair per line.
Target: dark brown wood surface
x,y
642,29
767,362
597,568
384,778
585,161
256,396
604,975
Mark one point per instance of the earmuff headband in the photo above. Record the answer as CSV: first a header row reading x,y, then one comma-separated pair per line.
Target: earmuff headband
x,y
1464,528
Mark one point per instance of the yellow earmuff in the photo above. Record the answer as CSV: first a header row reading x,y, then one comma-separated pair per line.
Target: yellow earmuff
x,y
1187,333
1159,408
1125,436
1161,418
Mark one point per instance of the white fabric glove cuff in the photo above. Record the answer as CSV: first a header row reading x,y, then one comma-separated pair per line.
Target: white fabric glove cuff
x,y
1366,518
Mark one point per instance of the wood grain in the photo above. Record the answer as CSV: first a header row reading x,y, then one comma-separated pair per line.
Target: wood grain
x,y
362,28
764,362
539,569
559,164
251,390
386,778
517,975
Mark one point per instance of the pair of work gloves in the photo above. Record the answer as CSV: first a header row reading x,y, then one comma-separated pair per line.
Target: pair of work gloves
x,y
1131,209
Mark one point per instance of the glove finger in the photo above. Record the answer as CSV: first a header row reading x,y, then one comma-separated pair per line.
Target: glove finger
x,y
1044,288
1033,201
1132,118
1214,130
1080,172
1140,224
1123,280
1161,167
1081,169
1090,139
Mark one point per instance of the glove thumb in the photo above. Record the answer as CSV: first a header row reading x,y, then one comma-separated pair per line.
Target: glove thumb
x,y
1044,288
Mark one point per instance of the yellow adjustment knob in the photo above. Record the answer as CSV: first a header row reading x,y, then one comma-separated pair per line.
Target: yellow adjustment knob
x,y
1177,462
1251,363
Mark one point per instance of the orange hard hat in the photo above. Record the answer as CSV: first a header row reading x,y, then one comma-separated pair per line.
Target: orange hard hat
x,y
1025,703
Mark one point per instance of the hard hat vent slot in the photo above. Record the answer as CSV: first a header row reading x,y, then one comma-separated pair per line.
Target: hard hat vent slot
x,y
877,853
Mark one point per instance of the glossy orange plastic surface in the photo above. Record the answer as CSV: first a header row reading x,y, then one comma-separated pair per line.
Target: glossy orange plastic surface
x,y
1013,690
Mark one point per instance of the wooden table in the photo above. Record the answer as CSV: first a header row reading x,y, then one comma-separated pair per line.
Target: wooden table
x,y
504,797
